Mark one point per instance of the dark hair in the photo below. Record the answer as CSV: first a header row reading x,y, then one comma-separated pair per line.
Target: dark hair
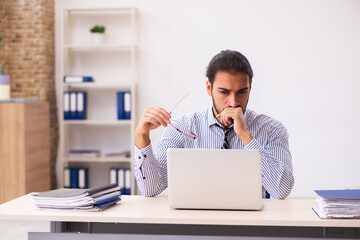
x,y
228,61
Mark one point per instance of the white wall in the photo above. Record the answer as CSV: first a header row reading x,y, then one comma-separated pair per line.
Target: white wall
x,y
305,55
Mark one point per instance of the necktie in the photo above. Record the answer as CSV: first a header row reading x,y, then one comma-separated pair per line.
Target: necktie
x,y
226,144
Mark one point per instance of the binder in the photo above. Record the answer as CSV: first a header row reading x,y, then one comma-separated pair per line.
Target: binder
x,y
127,105
66,107
77,79
74,178
81,105
83,178
94,199
113,175
66,177
121,179
72,105
341,203
124,105
339,194
127,181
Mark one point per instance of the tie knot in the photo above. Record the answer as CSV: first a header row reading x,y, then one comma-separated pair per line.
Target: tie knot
x,y
227,131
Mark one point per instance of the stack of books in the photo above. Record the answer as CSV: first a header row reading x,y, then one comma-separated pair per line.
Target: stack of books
x,y
94,199
338,203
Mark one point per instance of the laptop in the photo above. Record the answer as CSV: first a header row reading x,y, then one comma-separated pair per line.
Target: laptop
x,y
214,179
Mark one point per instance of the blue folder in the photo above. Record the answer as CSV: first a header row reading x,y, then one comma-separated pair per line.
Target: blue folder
x,y
339,194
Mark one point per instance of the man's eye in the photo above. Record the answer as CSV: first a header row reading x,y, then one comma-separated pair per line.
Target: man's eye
x,y
223,92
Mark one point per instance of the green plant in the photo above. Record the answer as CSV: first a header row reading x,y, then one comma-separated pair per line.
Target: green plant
x,y
1,66
98,29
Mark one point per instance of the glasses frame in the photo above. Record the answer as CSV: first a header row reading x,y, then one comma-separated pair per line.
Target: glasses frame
x,y
192,135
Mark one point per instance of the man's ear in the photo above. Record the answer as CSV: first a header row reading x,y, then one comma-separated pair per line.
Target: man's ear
x,y
208,87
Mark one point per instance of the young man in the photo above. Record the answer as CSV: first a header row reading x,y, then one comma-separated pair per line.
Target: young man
x,y
228,124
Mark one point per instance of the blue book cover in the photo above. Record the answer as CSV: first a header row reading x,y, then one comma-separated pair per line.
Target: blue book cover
x,y
74,178
339,194
127,188
120,105
102,206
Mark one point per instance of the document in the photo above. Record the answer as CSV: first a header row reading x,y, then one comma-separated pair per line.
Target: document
x,y
95,199
338,203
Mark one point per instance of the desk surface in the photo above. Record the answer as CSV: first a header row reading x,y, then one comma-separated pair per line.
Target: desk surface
x,y
139,209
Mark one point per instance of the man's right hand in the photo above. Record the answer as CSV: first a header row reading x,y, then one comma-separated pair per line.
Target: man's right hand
x,y
152,118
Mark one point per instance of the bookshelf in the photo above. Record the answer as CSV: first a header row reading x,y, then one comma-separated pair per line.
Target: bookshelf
x,y
113,65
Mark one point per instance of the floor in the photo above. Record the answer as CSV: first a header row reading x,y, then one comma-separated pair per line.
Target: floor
x,y
17,230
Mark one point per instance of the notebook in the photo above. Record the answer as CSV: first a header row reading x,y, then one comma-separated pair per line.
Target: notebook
x,y
214,179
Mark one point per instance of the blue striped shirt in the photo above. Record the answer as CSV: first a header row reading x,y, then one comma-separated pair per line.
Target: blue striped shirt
x,y
270,138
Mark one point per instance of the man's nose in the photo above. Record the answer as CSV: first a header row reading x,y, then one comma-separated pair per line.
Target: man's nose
x,y
232,101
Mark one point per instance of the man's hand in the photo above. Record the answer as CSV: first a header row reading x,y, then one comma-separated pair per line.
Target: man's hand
x,y
235,116
151,119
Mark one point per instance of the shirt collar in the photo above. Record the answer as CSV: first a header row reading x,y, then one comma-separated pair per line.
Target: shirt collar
x,y
211,118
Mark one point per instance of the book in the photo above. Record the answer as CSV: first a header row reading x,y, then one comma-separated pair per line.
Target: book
x,y
124,105
77,79
338,203
122,177
94,199
75,105
75,177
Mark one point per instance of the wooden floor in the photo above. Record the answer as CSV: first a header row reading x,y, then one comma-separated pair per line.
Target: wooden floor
x,y
17,230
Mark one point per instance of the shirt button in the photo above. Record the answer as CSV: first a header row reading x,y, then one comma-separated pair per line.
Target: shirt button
x,y
144,155
139,157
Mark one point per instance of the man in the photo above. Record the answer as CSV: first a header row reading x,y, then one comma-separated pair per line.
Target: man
x,y
228,124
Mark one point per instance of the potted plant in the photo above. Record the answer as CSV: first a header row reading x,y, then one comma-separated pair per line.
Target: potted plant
x,y
98,34
4,82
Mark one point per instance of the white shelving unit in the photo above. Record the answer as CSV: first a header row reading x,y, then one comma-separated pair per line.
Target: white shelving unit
x,y
114,66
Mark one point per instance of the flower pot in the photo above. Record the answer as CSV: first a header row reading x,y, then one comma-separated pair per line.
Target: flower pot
x,y
97,38
4,87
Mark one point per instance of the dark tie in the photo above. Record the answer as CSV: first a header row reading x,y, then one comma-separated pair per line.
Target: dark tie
x,y
226,144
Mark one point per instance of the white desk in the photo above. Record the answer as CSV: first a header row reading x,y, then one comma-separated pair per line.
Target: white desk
x,y
141,215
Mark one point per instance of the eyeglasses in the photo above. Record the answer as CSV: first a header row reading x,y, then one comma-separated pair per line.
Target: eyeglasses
x,y
185,131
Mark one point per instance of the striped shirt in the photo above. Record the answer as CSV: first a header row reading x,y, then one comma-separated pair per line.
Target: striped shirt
x,y
269,137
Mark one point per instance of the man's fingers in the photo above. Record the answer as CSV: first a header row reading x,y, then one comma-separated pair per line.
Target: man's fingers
x,y
157,116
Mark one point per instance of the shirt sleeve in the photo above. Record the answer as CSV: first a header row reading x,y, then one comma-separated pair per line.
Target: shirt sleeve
x,y
150,169
277,171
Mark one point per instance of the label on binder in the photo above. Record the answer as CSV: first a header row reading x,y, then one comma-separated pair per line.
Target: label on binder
x,y
121,178
80,101
127,179
82,178
127,102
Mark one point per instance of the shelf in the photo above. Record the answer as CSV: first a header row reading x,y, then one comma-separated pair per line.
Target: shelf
x,y
93,47
99,159
98,122
96,10
113,64
96,85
